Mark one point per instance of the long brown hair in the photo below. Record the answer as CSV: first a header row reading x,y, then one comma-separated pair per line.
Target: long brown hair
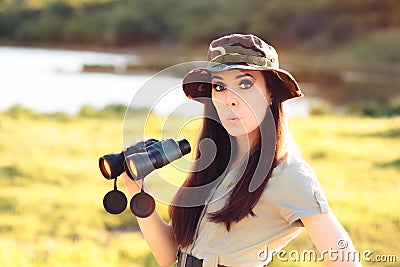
x,y
241,202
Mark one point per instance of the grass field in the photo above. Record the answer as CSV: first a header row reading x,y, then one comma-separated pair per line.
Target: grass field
x,y
51,190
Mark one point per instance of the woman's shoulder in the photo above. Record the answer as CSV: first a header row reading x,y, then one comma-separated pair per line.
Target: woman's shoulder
x,y
292,176
295,191
292,166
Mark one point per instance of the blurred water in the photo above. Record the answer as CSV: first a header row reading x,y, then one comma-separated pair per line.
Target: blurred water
x,y
52,80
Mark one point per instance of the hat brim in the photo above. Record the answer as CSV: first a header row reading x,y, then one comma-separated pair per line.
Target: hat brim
x,y
197,83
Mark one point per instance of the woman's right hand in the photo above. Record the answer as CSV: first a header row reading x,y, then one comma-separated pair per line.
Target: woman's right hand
x,y
155,230
133,186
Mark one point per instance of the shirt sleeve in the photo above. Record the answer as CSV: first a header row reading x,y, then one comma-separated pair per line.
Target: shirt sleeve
x,y
298,193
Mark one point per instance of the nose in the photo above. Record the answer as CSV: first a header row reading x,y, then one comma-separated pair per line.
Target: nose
x,y
231,98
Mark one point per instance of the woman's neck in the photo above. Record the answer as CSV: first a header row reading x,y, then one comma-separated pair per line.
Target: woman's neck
x,y
242,146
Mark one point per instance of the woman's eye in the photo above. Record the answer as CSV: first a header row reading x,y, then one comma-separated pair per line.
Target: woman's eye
x,y
219,87
246,84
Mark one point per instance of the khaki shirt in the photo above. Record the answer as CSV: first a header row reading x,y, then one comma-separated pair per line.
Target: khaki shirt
x,y
292,192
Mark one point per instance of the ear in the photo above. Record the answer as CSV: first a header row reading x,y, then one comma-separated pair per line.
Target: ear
x,y
270,100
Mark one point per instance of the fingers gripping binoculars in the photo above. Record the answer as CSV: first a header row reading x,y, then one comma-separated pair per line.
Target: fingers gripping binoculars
x,y
138,161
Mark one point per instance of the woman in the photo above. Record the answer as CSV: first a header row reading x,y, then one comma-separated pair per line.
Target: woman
x,y
243,204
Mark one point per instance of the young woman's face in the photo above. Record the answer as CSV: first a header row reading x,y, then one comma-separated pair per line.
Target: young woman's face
x,y
241,99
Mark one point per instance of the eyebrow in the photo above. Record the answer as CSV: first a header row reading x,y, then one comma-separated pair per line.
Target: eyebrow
x,y
237,77
245,75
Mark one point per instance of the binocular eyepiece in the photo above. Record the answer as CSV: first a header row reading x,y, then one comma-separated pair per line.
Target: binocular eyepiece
x,y
141,159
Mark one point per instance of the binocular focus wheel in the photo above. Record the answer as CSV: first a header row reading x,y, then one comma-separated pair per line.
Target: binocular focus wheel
x,y
142,205
115,202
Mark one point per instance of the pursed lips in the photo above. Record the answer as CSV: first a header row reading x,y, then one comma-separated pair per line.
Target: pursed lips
x,y
232,118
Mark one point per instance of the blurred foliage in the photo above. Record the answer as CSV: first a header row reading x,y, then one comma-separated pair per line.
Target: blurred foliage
x,y
129,22
373,109
115,111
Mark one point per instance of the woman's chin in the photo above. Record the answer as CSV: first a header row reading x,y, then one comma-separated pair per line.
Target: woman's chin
x,y
238,133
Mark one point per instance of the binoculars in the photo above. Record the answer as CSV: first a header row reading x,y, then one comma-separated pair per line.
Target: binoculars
x,y
138,161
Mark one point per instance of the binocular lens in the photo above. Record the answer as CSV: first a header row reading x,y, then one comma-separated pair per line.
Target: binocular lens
x,y
132,168
105,168
111,165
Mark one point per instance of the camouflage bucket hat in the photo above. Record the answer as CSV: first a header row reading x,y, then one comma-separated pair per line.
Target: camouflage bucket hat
x,y
240,52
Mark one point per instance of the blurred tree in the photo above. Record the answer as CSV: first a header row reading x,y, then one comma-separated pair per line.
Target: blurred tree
x,y
129,22
88,111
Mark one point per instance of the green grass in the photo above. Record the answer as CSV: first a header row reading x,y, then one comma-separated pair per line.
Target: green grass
x,y
51,190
